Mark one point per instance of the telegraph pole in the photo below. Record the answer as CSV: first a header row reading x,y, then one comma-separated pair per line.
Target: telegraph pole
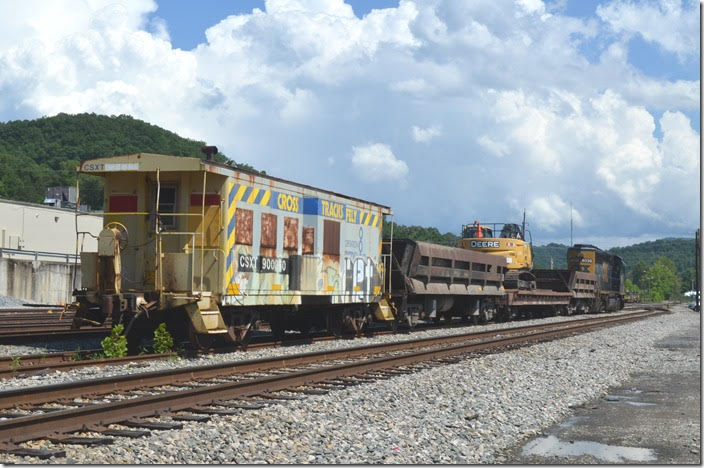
x,y
571,244
697,267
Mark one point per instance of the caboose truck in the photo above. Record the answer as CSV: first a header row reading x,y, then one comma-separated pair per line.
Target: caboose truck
x,y
212,250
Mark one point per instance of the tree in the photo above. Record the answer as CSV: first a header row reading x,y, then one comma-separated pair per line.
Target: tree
x,y
638,271
661,280
632,287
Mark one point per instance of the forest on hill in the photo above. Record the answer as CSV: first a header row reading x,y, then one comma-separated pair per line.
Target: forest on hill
x,y
40,153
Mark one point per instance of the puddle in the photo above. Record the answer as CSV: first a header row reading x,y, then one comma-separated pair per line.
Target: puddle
x,y
572,421
611,397
640,403
551,446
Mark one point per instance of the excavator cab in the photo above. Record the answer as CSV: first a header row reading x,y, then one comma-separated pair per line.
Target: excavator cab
x,y
510,243
476,230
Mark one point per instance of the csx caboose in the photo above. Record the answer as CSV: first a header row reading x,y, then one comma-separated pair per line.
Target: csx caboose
x,y
213,250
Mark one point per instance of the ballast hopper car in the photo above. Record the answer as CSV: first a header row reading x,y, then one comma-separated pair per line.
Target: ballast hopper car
x,y
214,251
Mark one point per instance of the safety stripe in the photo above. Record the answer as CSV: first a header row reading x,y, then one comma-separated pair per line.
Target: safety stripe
x,y
231,224
253,195
376,219
240,193
265,199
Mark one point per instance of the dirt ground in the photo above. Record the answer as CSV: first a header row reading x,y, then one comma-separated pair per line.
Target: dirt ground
x,y
653,418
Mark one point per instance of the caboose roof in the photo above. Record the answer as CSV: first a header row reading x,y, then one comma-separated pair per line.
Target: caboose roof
x,y
149,162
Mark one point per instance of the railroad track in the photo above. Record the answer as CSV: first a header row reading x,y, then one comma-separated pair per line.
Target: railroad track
x,y
55,412
32,364
28,323
19,326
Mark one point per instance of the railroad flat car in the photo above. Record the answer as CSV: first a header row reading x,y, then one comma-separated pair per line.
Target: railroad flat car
x,y
213,250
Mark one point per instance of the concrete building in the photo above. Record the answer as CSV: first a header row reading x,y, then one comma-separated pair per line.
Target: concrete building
x,y
39,228
37,250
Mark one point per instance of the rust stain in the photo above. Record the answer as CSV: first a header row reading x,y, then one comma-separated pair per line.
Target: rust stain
x,y
308,240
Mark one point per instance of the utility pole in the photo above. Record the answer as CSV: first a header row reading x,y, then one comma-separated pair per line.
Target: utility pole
x,y
697,267
571,244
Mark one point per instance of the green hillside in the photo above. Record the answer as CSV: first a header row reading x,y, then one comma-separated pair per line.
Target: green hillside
x,y
419,233
40,153
543,253
639,257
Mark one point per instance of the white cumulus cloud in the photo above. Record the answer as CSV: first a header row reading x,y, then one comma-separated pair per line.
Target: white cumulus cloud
x,y
376,162
424,135
549,212
673,24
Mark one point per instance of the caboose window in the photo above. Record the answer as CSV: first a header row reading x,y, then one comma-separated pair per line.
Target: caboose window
x,y
268,230
167,204
331,237
308,240
243,226
290,233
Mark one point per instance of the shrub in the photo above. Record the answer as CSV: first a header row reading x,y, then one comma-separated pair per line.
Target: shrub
x,y
15,363
163,342
115,345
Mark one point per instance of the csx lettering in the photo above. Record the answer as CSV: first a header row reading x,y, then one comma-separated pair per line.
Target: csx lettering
x,y
485,244
93,167
251,263
333,210
287,202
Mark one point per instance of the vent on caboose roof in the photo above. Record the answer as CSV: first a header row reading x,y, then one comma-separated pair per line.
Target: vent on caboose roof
x,y
209,151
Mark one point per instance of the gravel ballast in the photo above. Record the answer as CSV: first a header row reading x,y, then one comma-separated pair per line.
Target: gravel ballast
x,y
467,412
96,372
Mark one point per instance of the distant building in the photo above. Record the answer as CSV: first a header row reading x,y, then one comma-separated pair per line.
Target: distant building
x,y
60,197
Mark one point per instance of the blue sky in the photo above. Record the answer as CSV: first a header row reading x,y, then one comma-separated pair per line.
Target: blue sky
x,y
446,110
188,19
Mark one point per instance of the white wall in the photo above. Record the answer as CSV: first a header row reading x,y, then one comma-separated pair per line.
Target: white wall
x,y
29,226
38,281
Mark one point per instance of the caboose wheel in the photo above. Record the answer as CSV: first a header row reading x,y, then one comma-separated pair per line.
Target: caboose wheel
x,y
200,341
333,323
278,327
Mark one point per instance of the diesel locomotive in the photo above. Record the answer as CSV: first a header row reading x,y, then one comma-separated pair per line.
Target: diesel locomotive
x,y
214,251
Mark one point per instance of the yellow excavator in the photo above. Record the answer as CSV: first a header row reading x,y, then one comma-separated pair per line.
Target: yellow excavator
x,y
507,240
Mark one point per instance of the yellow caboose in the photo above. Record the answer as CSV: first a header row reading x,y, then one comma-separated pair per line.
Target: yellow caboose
x,y
213,250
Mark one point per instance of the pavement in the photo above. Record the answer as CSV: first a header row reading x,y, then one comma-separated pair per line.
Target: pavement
x,y
653,418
